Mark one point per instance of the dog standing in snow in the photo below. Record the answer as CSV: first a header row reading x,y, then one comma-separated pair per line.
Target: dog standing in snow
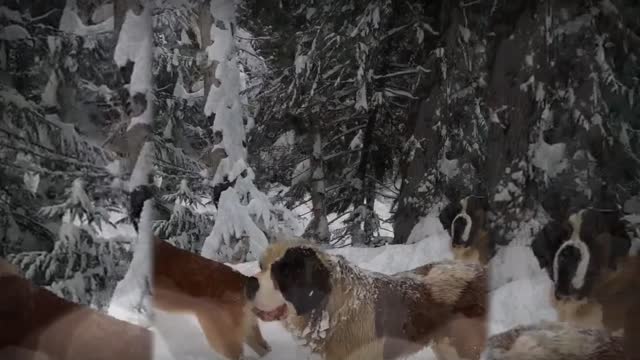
x,y
343,312
589,261
184,282
466,222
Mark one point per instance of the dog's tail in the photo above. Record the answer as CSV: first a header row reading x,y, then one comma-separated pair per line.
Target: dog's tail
x,y
8,269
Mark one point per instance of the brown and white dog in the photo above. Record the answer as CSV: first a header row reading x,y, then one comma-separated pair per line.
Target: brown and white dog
x,y
466,222
343,312
35,323
588,259
184,282
554,341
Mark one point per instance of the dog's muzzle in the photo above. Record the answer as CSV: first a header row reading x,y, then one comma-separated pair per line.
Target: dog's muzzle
x,y
277,314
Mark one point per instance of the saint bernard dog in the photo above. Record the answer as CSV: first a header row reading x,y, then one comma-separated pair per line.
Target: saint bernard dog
x,y
184,282
588,259
466,222
554,341
343,312
35,323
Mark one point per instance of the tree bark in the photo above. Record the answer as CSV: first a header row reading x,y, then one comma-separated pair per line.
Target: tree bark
x,y
410,208
318,228
419,174
361,227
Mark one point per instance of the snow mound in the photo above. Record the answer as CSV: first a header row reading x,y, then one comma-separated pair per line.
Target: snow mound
x,y
391,259
428,226
513,262
523,301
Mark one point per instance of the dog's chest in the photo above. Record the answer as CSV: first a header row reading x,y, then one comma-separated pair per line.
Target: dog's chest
x,y
347,320
311,331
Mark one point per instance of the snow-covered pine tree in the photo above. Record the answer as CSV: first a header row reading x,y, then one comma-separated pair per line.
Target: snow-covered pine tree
x,y
351,61
49,136
180,127
134,56
241,207
187,227
82,267
531,116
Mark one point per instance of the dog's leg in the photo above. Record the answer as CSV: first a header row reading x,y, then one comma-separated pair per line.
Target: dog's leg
x,y
256,342
225,337
443,350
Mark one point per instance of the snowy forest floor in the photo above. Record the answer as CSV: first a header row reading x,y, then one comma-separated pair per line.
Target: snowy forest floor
x,y
521,298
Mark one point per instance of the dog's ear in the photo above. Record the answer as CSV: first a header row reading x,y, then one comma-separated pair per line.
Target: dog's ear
x,y
302,278
610,235
448,214
482,202
478,208
548,241
612,248
620,247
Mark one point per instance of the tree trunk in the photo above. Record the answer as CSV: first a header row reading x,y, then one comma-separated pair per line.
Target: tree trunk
x,y
361,226
419,174
410,208
318,228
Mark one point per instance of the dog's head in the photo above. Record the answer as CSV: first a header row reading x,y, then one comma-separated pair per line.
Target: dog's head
x,y
465,220
294,279
579,251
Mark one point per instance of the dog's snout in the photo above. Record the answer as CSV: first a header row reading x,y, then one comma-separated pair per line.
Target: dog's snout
x,y
252,288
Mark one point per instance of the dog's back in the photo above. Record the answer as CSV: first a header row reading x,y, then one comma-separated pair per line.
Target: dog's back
x,y
34,318
463,285
195,275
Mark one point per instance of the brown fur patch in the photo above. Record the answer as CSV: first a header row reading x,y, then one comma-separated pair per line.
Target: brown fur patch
x,y
213,292
34,318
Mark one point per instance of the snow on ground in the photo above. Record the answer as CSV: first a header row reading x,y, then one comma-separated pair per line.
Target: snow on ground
x,y
520,289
